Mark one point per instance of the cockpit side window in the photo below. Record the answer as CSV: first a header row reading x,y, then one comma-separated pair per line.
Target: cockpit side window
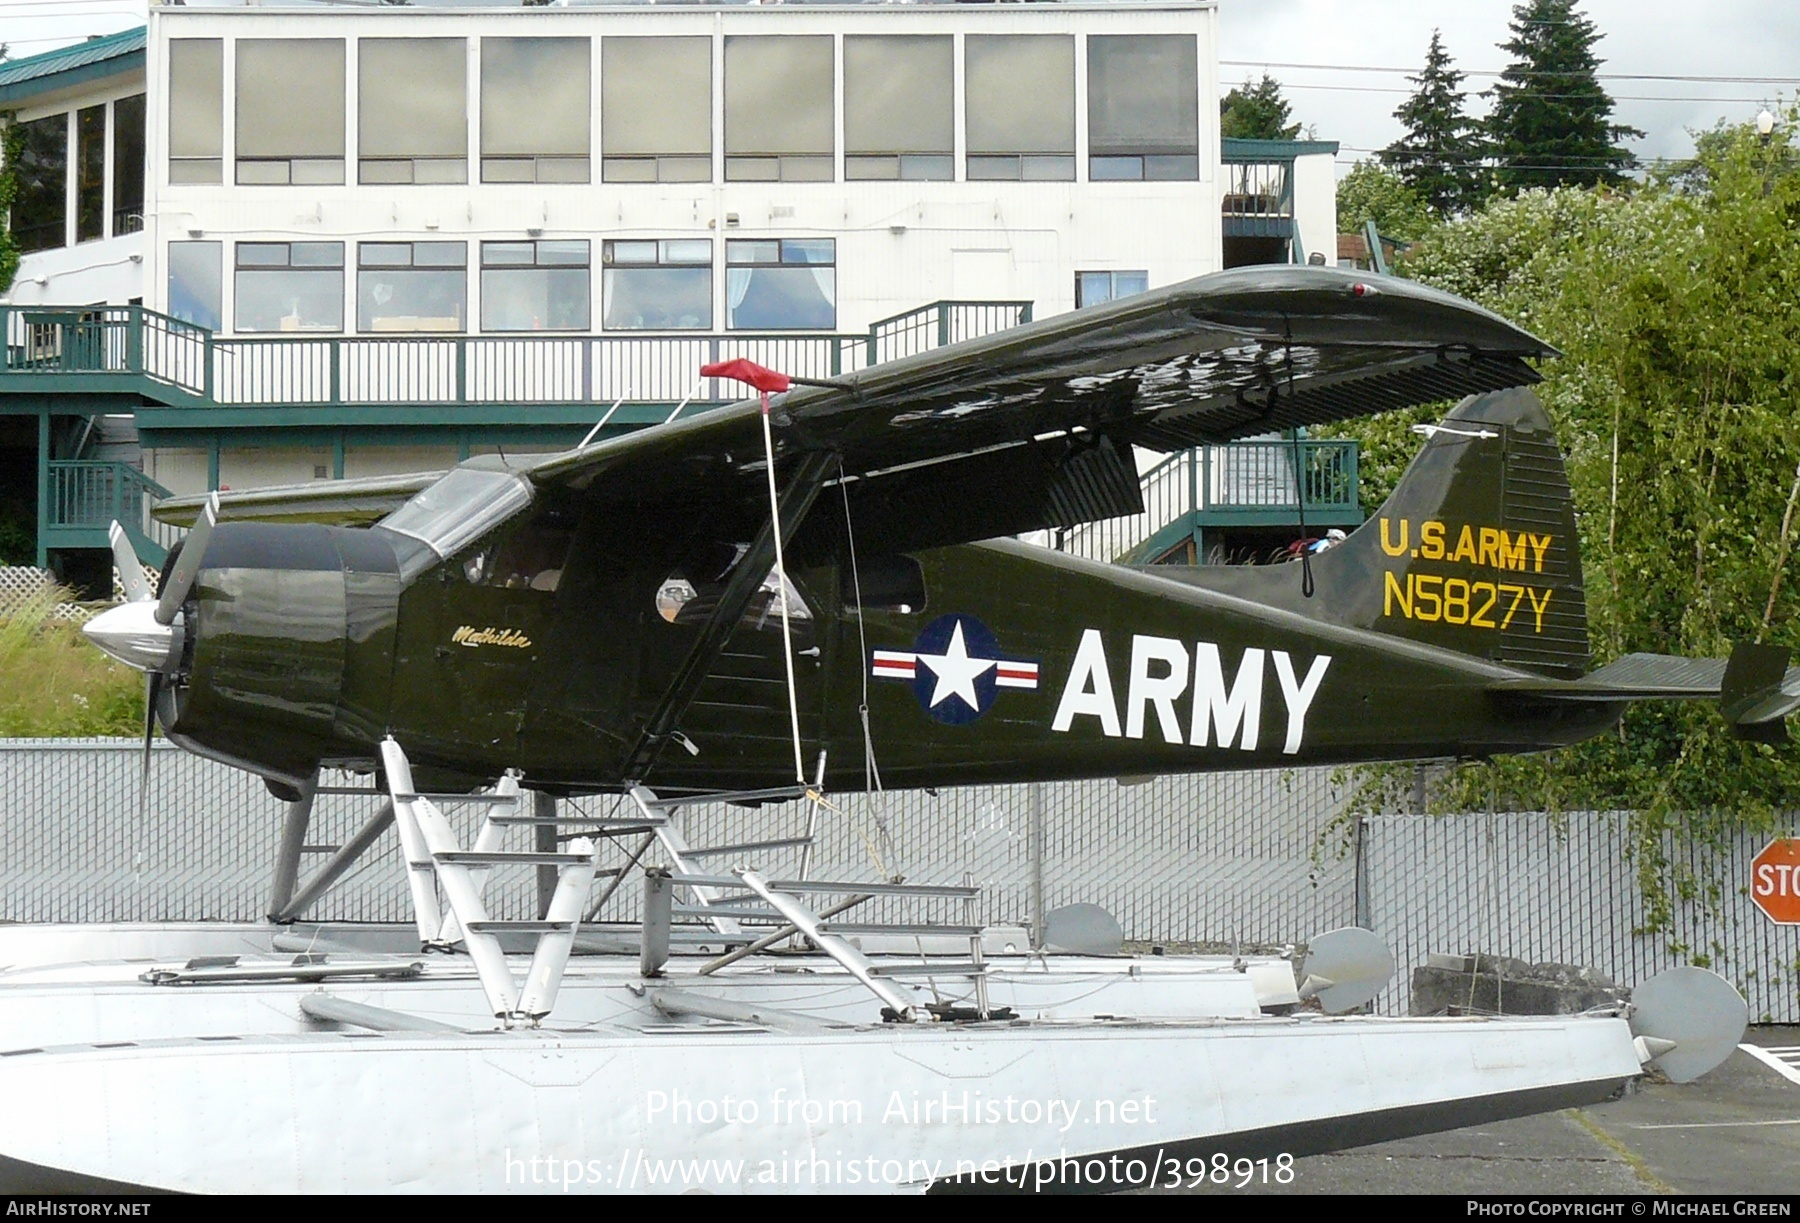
x,y
458,509
529,557
886,583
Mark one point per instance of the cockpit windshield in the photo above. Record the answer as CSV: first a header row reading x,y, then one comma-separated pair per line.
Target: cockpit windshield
x,y
460,508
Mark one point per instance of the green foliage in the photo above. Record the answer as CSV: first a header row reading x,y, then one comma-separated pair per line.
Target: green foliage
x,y
18,546
12,144
1256,112
1370,193
1678,315
1552,122
1441,156
53,683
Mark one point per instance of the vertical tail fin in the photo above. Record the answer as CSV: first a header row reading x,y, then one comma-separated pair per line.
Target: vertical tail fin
x,y
1476,549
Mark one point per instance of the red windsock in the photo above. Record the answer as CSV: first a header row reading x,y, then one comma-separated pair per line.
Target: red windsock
x,y
745,370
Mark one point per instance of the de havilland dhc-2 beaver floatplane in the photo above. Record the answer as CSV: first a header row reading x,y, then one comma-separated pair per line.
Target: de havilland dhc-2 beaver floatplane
x,y
753,606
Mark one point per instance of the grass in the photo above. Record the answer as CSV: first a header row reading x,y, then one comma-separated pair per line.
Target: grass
x,y
54,684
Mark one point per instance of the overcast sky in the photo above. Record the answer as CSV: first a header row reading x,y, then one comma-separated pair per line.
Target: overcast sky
x,y
1684,38
1719,38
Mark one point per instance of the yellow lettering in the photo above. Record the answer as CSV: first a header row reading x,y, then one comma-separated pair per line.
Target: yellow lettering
x,y
1465,546
1456,601
1539,545
1431,540
1479,618
1512,551
1489,547
1392,594
1421,594
1538,608
1398,549
1518,594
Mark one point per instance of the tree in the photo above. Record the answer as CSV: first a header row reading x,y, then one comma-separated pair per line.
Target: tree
x,y
1256,112
1370,193
1552,122
1440,157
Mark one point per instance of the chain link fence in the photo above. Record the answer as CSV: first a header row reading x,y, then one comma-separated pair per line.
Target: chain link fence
x,y
1257,858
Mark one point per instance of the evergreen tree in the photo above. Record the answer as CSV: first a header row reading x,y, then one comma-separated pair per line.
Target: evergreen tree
x,y
1441,154
1552,122
1256,112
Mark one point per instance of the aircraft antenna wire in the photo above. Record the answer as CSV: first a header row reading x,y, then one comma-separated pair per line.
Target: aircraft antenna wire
x,y
1306,573
882,848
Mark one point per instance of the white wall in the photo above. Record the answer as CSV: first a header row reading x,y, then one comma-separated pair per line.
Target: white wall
x,y
1315,204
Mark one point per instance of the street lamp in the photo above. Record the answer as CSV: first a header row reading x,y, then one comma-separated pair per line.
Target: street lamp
x,y
1765,124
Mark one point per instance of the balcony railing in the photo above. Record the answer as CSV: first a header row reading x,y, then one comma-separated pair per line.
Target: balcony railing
x,y
182,363
84,497
1249,481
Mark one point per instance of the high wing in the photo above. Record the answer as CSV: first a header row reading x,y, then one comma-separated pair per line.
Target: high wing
x,y
344,503
1033,427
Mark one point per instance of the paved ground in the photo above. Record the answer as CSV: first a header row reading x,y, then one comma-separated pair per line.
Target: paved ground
x,y
1734,1131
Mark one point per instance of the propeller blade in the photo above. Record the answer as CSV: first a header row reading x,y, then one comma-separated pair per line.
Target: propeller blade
x,y
131,569
153,682
180,582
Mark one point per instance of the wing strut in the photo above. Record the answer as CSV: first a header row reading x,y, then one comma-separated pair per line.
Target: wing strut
x,y
746,577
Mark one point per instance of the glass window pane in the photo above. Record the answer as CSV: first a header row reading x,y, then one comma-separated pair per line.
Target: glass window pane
x,y
262,254
40,210
923,167
493,253
384,254
1020,93
534,97
778,94
420,297
1143,94
562,253
290,299
534,299
411,99
196,102
657,299
195,282
809,250
655,96
316,254
90,173
688,250
781,298
752,251
898,94
1115,169
631,252
440,254
128,165
290,97
993,169
1045,169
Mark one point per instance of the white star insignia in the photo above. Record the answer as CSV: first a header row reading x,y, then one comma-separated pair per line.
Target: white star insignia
x,y
956,672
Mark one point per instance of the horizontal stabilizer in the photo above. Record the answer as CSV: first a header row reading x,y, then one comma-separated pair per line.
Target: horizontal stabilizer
x,y
1758,691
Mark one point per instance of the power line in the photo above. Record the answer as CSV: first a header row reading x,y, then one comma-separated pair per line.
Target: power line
x,y
1618,97
1604,76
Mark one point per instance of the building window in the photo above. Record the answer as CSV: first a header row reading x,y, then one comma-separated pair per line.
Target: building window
x,y
778,109
1020,102
535,286
899,116
128,165
656,110
1093,288
90,173
196,110
290,111
194,283
781,284
411,286
1143,107
289,286
534,110
40,210
657,286
412,114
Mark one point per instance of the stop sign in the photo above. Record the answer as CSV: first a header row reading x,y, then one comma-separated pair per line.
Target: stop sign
x,y
1775,880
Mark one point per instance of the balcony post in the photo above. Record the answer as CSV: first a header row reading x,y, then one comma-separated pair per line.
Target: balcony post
x,y
134,339
43,552
335,394
462,369
943,313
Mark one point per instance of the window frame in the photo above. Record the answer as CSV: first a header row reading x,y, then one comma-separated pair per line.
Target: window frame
x,y
365,266
538,264
781,263
667,259
239,269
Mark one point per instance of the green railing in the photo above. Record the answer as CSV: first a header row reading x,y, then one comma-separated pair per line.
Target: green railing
x,y
83,497
131,348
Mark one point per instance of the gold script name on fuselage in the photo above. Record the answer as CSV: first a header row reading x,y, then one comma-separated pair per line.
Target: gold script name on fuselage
x,y
1433,598
469,635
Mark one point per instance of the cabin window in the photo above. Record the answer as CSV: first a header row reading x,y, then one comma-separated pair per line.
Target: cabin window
x,y
530,557
460,508
535,286
40,211
195,283
412,113
899,118
289,286
781,284
534,110
290,111
1143,107
655,285
681,601
128,165
196,110
411,286
656,110
1019,92
90,173
779,114
1095,288
886,583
